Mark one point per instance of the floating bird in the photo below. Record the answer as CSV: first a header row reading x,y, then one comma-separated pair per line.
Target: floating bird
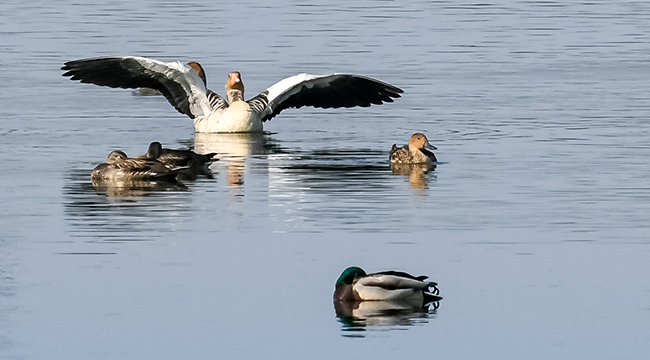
x,y
355,285
183,87
119,167
415,152
194,164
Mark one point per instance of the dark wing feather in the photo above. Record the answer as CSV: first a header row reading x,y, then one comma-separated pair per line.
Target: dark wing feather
x,y
180,85
401,274
329,91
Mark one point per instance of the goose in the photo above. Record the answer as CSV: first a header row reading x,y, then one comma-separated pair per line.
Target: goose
x,y
187,92
355,285
194,164
119,166
415,152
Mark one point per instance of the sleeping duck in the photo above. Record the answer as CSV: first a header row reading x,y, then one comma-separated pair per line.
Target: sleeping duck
x,y
355,285
183,87
119,166
415,152
194,164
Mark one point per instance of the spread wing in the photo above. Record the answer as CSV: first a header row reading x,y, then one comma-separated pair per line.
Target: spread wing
x,y
178,82
322,91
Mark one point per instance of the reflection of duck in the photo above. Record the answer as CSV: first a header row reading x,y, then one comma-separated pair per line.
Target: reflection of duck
x,y
415,172
194,164
415,152
186,91
119,167
131,187
355,285
359,314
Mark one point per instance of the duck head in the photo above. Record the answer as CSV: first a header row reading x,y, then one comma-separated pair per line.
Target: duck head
x,y
199,70
419,141
344,290
116,155
235,87
349,275
154,151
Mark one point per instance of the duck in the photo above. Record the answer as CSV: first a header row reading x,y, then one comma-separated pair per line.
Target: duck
x,y
194,164
145,91
355,285
119,166
415,152
186,91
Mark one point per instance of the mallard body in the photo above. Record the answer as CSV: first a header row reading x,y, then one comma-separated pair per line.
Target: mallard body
x,y
355,285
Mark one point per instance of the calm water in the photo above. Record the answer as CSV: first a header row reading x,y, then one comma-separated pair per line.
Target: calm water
x,y
535,223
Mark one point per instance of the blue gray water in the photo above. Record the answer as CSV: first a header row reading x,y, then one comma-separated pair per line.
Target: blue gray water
x,y
535,223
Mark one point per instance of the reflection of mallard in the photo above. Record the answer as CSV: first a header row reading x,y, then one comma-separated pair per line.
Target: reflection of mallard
x,y
381,313
194,164
415,152
355,285
120,167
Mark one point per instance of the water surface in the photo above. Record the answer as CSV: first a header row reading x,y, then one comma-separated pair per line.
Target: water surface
x,y
534,223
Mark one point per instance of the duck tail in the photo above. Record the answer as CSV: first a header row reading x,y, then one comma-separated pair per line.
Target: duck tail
x,y
171,174
431,293
209,158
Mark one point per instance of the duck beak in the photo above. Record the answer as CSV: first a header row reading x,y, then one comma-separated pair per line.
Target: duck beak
x,y
429,146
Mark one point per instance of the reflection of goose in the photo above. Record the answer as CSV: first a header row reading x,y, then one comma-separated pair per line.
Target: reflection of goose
x,y
187,92
230,145
415,152
233,149
119,167
355,285
194,164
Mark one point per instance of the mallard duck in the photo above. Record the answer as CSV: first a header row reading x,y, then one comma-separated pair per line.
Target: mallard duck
x,y
186,91
194,164
355,285
415,152
119,166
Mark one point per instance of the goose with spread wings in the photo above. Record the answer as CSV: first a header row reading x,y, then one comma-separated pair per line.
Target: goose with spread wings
x,y
186,90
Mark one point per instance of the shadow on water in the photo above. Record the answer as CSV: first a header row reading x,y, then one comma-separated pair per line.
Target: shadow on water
x,y
359,317
334,171
117,212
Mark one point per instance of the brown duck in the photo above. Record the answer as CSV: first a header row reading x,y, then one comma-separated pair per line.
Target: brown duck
x,y
415,152
119,166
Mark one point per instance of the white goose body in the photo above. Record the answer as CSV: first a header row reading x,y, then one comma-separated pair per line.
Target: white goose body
x,y
236,118
184,86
